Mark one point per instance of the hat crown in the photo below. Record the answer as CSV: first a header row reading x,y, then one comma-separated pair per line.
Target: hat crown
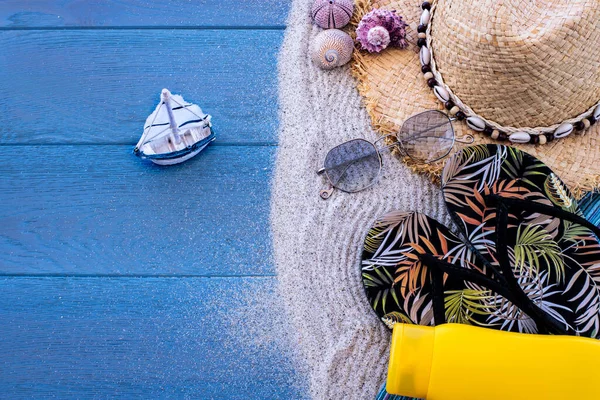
x,y
520,63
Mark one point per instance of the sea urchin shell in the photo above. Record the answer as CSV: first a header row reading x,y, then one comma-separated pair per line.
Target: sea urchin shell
x,y
332,13
381,28
332,48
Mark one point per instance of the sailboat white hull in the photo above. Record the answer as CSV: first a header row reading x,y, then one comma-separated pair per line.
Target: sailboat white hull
x,y
179,160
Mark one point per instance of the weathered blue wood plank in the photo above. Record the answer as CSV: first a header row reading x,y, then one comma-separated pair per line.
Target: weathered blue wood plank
x,y
144,338
100,210
99,86
36,13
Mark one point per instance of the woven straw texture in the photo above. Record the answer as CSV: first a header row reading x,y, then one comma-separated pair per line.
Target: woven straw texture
x,y
518,63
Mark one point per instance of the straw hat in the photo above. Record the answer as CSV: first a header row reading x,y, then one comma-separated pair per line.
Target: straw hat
x,y
522,66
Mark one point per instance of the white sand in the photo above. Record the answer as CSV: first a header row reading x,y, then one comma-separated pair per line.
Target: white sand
x,y
317,244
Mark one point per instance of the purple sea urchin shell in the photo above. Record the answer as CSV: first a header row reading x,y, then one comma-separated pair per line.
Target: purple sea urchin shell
x,y
370,31
330,14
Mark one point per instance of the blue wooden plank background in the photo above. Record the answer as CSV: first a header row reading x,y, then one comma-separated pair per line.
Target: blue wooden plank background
x,y
121,278
82,210
143,337
94,86
177,13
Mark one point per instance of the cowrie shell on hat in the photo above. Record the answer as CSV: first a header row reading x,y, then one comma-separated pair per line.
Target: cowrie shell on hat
x,y
425,56
596,113
425,17
563,130
520,137
476,124
441,93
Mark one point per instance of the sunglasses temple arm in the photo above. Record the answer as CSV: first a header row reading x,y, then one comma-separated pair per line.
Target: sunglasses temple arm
x,y
326,193
467,139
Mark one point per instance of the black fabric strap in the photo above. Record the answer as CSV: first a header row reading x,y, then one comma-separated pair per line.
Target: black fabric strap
x,y
502,208
465,274
542,319
484,281
439,307
535,207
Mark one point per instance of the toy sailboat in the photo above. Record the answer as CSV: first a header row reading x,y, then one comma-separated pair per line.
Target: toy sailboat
x,y
175,132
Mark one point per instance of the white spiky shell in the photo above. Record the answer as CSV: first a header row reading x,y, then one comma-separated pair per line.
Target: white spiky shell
x,y
332,48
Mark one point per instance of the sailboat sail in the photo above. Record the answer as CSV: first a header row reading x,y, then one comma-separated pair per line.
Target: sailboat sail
x,y
186,115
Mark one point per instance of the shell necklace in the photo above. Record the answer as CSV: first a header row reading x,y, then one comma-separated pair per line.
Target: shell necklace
x,y
476,122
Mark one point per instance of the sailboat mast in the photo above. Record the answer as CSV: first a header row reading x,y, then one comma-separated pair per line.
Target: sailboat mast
x,y
166,98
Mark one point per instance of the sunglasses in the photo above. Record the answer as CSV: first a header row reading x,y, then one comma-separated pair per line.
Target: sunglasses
x,y
356,165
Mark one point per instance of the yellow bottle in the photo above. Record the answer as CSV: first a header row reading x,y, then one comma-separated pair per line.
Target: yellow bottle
x,y
462,362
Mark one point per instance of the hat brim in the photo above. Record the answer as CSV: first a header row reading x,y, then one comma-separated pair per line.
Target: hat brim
x,y
392,86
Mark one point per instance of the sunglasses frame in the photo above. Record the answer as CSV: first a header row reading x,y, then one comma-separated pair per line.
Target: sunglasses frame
x,y
407,154
326,193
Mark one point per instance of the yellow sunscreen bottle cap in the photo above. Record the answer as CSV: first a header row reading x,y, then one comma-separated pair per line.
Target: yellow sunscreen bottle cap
x,y
411,356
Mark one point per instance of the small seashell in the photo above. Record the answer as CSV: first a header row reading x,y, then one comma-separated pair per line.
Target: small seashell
x,y
520,137
378,37
332,48
334,14
476,124
425,56
441,93
596,112
563,130
380,29
425,17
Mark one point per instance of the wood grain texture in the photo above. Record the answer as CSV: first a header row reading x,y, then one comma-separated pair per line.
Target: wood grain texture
x,y
103,13
99,86
100,210
144,338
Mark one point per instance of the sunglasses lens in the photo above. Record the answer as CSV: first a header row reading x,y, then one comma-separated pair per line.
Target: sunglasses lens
x,y
427,137
353,166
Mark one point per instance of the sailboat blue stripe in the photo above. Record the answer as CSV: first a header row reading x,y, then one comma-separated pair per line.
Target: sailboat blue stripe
x,y
152,126
191,122
180,107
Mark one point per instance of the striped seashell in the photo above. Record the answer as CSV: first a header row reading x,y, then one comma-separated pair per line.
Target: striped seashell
x,y
596,112
476,124
332,48
425,56
334,14
425,17
563,130
520,137
441,93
